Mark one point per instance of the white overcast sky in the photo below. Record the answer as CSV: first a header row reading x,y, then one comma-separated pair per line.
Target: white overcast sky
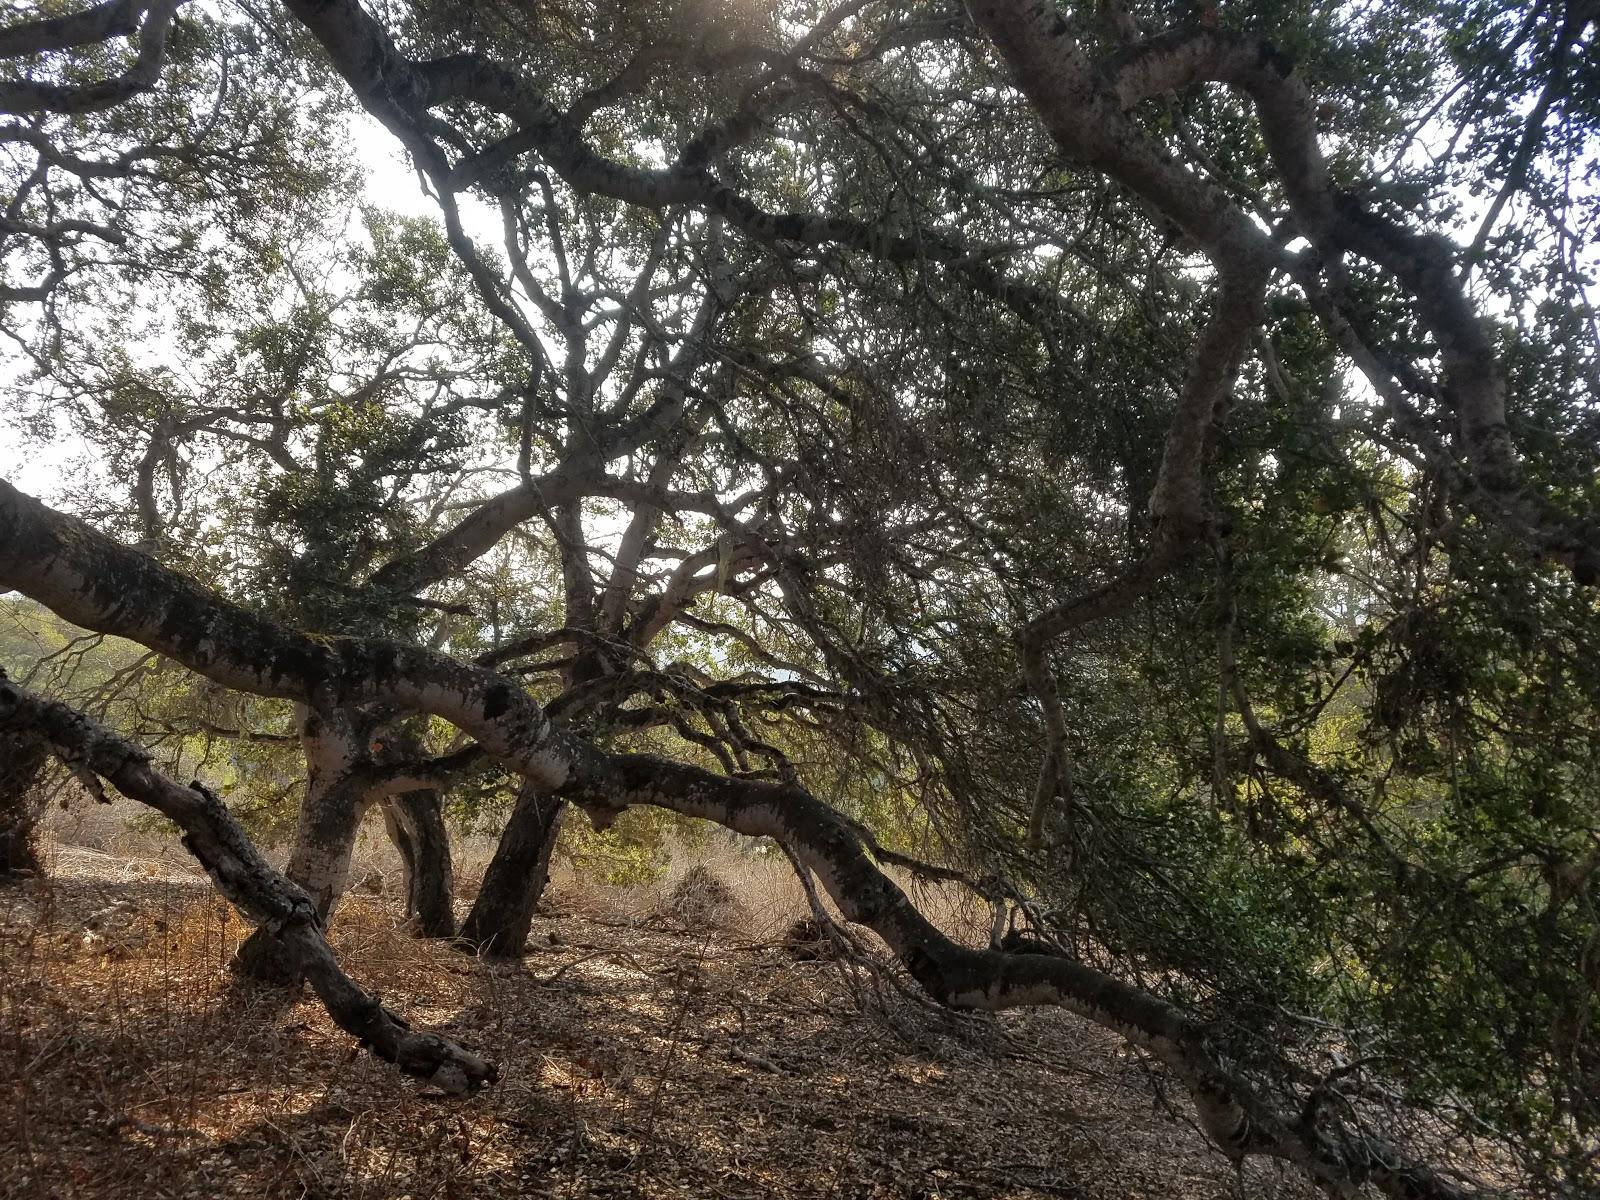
x,y
41,469
391,183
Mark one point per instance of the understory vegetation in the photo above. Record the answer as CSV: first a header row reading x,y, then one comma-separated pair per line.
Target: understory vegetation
x,y
1124,472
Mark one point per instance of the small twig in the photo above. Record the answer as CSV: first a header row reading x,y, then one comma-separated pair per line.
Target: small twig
x,y
755,1060
578,962
123,1121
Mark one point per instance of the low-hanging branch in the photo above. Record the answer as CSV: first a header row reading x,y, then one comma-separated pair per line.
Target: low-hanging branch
x,y
261,895
99,584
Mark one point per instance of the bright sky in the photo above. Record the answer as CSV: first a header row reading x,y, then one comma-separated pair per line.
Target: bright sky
x,y
41,469
391,183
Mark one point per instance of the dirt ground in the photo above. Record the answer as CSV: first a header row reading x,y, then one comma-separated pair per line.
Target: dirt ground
x,y
639,1058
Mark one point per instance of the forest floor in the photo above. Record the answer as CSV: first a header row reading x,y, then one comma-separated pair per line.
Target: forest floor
x,y
641,1056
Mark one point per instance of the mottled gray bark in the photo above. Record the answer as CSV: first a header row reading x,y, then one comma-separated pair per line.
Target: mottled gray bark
x,y
72,569
337,795
503,911
90,580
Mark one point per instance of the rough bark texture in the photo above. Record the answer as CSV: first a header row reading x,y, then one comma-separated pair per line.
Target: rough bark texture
x,y
498,923
90,580
261,895
325,834
22,760
1085,103
415,822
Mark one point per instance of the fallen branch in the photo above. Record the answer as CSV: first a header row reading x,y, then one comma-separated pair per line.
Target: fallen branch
x,y
118,1123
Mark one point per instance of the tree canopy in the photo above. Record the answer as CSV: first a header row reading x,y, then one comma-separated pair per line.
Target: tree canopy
x,y
1144,460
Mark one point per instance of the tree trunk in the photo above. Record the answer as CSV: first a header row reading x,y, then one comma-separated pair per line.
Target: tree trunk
x,y
259,893
500,917
324,838
415,822
96,583
22,760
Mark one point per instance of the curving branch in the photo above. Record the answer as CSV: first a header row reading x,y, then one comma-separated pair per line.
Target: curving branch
x,y
1179,517
1234,1115
243,876
97,583
1084,107
97,23
403,94
90,580
1337,223
31,96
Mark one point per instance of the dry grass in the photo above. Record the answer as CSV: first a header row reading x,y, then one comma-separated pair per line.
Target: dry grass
x,y
639,1059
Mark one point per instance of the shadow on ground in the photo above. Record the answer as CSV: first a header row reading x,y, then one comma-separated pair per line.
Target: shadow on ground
x,y
638,1061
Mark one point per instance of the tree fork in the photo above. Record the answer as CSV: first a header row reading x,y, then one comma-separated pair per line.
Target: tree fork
x,y
336,799
93,581
1422,264
260,894
415,824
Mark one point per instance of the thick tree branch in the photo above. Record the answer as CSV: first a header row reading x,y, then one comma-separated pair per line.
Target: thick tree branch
x,y
1423,264
244,878
97,23
30,96
1231,1112
95,582
88,579
401,93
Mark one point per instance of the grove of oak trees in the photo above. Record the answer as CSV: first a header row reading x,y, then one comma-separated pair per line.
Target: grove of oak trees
x,y
1144,460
